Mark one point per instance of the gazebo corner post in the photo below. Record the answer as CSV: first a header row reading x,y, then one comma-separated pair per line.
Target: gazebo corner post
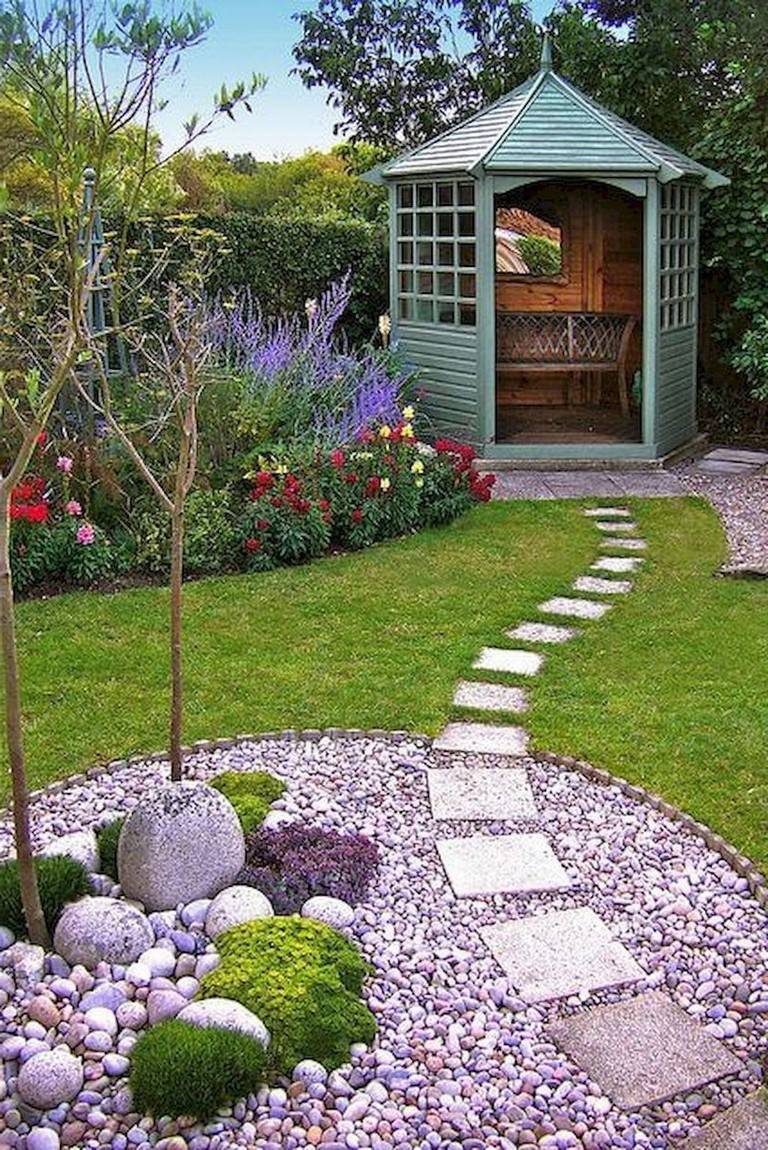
x,y
486,310
651,310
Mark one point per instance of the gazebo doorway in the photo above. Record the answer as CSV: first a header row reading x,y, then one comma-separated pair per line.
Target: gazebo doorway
x,y
569,303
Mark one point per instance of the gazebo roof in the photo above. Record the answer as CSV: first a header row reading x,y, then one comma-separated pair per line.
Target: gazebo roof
x,y
548,124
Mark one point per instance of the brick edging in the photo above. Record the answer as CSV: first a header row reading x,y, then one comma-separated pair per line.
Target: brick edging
x,y
729,853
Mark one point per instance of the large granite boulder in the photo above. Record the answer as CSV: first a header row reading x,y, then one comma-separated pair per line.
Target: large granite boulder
x,y
49,1078
179,843
225,1014
235,905
96,930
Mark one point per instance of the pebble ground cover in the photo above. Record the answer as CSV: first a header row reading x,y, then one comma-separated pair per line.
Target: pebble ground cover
x,y
460,1061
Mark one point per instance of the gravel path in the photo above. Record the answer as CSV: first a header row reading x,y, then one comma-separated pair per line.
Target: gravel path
x,y
461,1063
742,503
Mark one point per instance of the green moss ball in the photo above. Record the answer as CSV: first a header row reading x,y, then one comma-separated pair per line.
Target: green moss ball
x,y
251,793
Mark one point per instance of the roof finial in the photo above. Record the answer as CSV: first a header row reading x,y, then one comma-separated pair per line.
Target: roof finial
x,y
546,52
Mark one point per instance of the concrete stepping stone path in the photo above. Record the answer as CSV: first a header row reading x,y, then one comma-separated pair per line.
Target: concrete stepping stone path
x,y
575,608
613,544
560,954
622,527
607,513
480,794
501,864
743,1127
482,739
511,662
542,633
644,1051
617,563
597,586
490,697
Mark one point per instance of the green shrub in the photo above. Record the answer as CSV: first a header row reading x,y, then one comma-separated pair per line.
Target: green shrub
x,y
182,1069
210,540
108,838
303,980
60,879
250,793
542,255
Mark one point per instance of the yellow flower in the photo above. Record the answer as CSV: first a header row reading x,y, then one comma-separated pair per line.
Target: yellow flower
x,y
385,484
385,431
407,432
419,482
409,412
417,467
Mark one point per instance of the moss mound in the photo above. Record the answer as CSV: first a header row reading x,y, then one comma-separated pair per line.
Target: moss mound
x,y
182,1069
108,838
303,980
60,880
251,793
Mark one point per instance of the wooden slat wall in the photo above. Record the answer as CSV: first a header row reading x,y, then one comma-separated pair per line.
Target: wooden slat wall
x,y
446,357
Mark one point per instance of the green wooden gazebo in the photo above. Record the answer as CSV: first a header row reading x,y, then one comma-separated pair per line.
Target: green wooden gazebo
x,y
544,278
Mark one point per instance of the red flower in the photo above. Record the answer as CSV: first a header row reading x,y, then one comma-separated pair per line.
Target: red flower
x,y
37,512
291,485
366,435
350,477
252,545
337,458
42,439
324,505
262,524
276,501
357,515
373,485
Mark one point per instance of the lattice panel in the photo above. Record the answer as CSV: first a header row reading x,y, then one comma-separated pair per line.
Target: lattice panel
x,y
677,256
436,252
559,337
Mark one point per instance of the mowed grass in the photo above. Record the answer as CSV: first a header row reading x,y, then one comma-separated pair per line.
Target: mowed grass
x,y
667,690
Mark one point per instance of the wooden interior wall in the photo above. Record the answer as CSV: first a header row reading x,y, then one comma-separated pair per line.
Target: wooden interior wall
x,y
603,271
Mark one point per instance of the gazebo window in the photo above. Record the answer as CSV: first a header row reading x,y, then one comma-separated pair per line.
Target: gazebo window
x,y
677,272
436,252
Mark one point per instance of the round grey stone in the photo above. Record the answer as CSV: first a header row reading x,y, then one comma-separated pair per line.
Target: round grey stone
x,y
96,930
180,843
80,846
332,911
50,1078
235,905
224,1014
309,1071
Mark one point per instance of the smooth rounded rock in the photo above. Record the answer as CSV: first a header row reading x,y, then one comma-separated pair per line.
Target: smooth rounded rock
x,y
96,930
236,905
43,1138
225,1014
309,1071
332,911
181,842
50,1078
160,962
80,846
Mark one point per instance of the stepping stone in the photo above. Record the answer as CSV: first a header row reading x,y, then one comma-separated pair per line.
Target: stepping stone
x,y
607,513
511,662
626,544
644,1051
622,528
724,467
501,864
490,697
738,455
559,954
481,794
543,633
578,608
616,563
743,1127
598,586
482,739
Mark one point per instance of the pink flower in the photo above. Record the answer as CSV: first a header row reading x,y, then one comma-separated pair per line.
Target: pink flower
x,y
85,534
65,463
73,508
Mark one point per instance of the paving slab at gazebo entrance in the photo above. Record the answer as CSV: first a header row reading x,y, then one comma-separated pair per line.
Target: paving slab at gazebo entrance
x,y
501,864
743,1127
645,1050
559,954
487,794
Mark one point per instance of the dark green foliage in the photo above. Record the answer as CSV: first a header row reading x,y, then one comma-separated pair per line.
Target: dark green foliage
x,y
60,879
108,838
181,1069
210,540
303,980
541,254
251,793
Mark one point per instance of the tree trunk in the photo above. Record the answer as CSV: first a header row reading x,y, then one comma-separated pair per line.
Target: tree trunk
x,y
177,681
30,894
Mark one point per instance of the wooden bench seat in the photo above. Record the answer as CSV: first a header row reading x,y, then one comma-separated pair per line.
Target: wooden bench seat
x,y
555,341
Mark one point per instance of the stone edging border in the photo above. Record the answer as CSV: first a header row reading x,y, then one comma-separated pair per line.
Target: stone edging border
x,y
743,866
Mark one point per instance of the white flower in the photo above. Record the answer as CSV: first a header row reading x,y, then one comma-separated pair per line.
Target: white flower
x,y
310,307
385,326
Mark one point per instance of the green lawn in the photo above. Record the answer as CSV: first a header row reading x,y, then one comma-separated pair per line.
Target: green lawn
x,y
667,690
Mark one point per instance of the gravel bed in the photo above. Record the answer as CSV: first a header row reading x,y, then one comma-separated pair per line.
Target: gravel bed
x,y
460,1062
742,503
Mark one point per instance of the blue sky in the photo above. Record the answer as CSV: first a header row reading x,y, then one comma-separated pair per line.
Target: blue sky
x,y
256,36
